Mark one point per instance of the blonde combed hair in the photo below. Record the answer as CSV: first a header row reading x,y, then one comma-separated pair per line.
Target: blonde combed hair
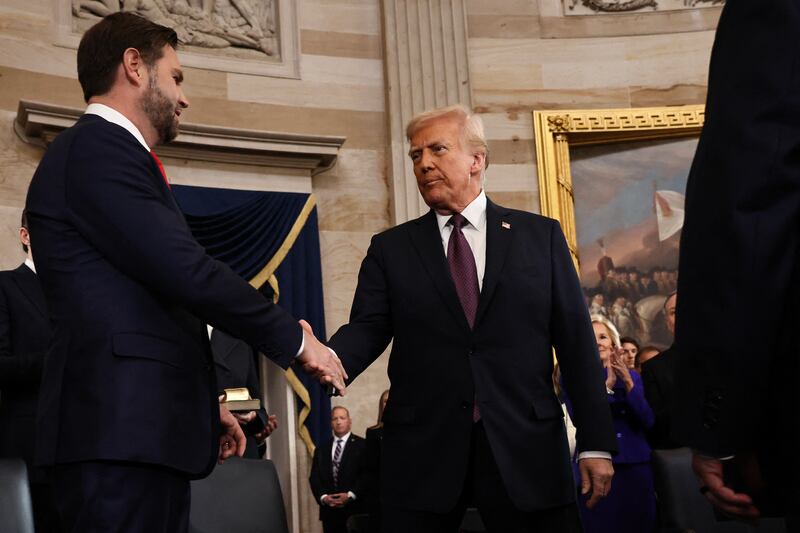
x,y
610,327
473,133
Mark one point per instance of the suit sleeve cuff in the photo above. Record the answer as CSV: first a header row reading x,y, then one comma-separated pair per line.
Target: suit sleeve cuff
x,y
594,455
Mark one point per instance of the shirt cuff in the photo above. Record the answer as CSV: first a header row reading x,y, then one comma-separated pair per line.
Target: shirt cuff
x,y
302,347
594,455
321,498
351,495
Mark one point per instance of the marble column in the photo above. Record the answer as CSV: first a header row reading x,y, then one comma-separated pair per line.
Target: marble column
x,y
426,63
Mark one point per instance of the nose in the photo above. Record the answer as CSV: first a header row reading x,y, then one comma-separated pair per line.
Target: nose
x,y
182,100
425,161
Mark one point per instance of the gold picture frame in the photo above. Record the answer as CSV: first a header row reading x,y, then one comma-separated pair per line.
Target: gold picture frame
x,y
555,131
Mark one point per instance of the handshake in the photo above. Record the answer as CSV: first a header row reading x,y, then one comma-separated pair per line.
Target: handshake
x,y
321,362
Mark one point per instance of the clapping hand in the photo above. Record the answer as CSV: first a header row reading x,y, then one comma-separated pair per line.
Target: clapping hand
x,y
617,366
320,362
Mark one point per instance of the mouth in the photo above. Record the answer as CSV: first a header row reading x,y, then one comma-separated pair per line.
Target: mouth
x,y
431,183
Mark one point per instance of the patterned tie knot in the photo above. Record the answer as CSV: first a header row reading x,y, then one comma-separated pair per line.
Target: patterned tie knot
x,y
458,221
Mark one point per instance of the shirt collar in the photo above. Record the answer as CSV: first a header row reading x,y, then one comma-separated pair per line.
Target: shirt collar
x,y
115,117
475,213
344,437
29,264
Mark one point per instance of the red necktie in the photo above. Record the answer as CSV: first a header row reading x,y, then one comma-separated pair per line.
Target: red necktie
x,y
161,168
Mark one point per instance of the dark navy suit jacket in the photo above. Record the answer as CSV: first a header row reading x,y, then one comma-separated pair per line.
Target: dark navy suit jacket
x,y
129,375
24,337
530,302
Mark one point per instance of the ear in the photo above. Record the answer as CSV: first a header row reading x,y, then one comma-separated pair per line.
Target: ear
x,y
478,162
133,68
24,236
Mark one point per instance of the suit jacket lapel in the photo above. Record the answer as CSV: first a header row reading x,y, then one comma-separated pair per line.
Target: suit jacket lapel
x,y
30,287
427,240
327,461
498,241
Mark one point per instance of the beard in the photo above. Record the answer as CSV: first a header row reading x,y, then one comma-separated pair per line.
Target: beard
x,y
160,111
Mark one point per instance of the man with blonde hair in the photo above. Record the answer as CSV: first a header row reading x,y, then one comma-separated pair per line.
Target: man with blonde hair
x,y
475,296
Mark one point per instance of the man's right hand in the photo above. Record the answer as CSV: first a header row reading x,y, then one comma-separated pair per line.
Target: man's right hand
x,y
320,362
736,504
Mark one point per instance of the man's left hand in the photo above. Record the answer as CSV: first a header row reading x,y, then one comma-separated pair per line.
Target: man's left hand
x,y
232,441
272,425
596,474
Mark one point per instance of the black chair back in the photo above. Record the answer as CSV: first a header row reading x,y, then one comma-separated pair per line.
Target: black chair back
x,y
241,495
15,497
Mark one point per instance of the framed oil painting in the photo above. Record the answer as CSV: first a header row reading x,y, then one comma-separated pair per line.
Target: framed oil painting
x,y
615,179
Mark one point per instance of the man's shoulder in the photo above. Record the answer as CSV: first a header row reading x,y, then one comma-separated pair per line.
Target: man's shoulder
x,y
96,136
659,363
7,276
401,230
526,217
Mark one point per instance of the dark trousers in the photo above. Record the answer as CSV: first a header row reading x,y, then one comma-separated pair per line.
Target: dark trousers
x,y
45,514
484,489
335,523
116,497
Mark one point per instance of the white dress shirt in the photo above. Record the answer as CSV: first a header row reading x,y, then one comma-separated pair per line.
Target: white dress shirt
x,y
29,264
115,117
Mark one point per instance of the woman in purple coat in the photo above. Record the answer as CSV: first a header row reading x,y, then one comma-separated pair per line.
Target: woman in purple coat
x,y
630,507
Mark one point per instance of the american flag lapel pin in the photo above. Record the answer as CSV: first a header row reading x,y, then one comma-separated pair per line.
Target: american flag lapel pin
x,y
505,225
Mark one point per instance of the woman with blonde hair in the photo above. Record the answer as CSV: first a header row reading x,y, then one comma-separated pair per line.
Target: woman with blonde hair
x,y
630,506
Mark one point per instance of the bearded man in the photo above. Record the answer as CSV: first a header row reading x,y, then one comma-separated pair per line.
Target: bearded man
x,y
128,410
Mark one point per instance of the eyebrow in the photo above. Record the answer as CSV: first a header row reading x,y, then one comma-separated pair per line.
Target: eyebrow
x,y
433,142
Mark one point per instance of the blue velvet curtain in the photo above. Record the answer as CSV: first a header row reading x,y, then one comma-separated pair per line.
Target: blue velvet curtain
x,y
250,230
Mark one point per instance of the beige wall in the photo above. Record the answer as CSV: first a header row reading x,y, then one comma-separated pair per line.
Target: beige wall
x,y
525,57
522,57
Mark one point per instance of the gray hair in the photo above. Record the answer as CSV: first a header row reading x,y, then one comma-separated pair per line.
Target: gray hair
x,y
472,130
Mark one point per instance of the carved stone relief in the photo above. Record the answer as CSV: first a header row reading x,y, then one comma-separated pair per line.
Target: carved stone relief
x,y
259,37
590,7
249,24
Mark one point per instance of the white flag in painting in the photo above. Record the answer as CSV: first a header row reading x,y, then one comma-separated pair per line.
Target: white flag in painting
x,y
669,213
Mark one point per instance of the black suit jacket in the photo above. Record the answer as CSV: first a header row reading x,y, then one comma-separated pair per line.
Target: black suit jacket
x,y
739,287
530,302
129,374
658,378
350,476
235,363
24,337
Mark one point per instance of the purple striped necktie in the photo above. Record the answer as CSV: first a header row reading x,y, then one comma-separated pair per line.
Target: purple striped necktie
x,y
465,278
337,457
